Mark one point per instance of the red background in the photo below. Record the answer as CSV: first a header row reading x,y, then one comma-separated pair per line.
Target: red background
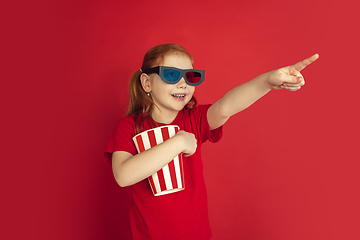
x,y
286,168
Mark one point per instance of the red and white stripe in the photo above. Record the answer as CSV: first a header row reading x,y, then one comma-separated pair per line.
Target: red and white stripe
x,y
170,178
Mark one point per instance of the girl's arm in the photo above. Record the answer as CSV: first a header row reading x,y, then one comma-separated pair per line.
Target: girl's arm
x,y
244,95
129,169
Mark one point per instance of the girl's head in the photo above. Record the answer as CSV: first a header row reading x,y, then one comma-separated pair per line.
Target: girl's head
x,y
143,98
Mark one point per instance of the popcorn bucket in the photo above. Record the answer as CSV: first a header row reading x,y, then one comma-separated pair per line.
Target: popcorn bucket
x,y
170,178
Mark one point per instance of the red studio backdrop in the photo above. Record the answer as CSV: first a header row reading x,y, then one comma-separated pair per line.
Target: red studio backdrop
x,y
286,168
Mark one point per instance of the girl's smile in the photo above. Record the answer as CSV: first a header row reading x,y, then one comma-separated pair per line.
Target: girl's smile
x,y
179,96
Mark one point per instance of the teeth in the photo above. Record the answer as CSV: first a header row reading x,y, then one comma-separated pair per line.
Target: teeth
x,y
178,95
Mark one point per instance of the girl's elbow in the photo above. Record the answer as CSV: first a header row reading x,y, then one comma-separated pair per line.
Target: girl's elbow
x,y
122,182
121,179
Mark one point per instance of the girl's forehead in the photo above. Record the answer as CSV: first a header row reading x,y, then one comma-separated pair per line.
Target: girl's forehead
x,y
177,60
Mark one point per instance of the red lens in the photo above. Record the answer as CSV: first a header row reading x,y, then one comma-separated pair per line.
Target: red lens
x,y
193,77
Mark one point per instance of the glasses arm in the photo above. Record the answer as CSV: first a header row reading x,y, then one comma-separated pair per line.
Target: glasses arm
x,y
152,70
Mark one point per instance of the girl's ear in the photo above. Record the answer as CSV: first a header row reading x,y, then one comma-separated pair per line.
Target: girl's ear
x,y
145,82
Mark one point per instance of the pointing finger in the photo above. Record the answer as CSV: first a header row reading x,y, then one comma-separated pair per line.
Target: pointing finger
x,y
302,64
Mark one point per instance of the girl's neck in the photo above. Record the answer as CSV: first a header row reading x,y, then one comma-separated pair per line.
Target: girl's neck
x,y
161,117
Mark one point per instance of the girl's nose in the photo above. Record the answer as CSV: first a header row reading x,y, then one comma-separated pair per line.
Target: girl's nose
x,y
182,83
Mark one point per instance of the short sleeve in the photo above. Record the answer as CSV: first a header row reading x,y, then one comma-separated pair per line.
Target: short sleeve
x,y
200,114
121,138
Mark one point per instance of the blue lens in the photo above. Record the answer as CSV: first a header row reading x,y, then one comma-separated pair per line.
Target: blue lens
x,y
171,75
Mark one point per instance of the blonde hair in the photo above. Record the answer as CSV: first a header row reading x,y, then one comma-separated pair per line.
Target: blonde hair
x,y
140,103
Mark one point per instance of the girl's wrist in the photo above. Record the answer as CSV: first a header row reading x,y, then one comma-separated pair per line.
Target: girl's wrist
x,y
266,80
180,141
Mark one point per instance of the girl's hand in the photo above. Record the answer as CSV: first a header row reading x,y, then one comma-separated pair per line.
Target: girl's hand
x,y
188,141
290,77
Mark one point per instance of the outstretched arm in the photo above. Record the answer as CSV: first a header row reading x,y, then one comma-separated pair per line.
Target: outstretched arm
x,y
244,95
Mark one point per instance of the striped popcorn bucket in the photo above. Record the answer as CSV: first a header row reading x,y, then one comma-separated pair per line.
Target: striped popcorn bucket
x,y
170,178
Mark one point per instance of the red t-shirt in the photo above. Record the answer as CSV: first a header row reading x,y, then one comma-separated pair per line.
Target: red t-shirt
x,y
181,215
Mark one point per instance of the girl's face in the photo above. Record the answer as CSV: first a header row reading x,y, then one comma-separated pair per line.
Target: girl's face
x,y
170,98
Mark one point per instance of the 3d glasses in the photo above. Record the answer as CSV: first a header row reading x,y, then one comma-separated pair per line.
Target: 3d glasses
x,y
172,75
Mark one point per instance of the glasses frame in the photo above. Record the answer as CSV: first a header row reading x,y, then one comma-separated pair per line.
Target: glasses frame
x,y
160,71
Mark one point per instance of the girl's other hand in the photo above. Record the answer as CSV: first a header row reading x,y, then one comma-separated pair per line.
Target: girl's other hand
x,y
188,142
290,77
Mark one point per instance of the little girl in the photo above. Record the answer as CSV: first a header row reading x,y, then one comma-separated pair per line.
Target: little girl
x,y
162,93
